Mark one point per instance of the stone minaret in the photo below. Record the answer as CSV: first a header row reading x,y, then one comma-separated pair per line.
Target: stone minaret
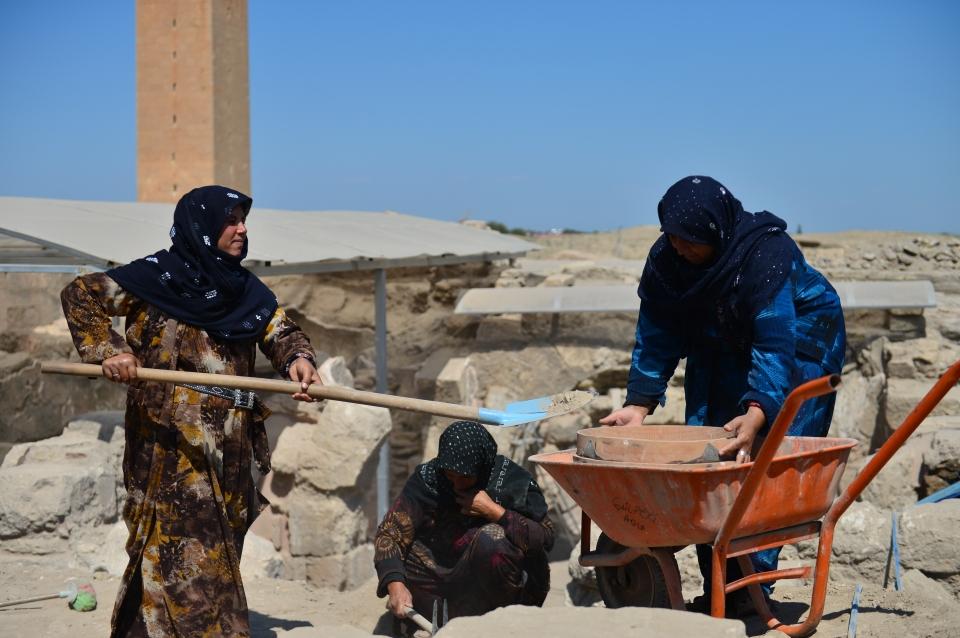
x,y
193,97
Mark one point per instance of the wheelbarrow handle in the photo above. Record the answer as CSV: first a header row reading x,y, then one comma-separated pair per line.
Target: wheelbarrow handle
x,y
768,450
895,442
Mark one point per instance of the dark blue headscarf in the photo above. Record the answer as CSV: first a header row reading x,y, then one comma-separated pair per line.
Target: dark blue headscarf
x,y
754,256
194,281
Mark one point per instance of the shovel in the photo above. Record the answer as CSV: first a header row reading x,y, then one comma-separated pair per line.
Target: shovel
x,y
514,414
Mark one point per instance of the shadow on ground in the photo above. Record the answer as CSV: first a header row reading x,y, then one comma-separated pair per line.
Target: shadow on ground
x,y
263,626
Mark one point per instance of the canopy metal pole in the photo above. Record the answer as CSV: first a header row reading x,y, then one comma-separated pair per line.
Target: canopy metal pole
x,y
380,349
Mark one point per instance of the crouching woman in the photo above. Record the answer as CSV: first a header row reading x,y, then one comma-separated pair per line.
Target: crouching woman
x,y
470,527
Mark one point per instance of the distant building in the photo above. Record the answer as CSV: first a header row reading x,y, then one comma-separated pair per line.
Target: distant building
x,y
193,97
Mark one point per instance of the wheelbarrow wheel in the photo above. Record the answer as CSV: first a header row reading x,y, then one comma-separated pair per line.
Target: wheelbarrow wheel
x,y
639,583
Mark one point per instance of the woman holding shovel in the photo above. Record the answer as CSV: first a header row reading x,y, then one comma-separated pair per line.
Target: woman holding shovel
x,y
730,291
187,462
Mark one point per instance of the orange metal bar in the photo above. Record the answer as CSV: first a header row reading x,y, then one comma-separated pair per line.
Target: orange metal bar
x,y
776,538
880,458
767,577
895,442
778,430
819,595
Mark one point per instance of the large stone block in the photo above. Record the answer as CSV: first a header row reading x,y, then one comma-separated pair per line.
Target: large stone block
x,y
457,382
342,572
101,548
324,525
60,484
898,484
43,497
533,371
928,539
942,459
36,406
338,452
857,408
944,445
334,371
501,328
905,324
905,394
260,559
861,542
915,580
913,359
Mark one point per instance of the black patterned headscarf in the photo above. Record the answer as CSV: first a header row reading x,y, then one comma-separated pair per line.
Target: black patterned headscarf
x,y
753,258
467,448
194,281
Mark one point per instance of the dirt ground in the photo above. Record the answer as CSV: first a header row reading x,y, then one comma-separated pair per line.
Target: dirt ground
x,y
278,607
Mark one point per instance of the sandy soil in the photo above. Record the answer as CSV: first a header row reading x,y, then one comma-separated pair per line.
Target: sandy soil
x,y
279,607
634,242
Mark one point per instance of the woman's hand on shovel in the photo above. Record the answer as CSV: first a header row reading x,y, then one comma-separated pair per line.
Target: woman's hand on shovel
x,y
400,599
121,368
302,371
629,415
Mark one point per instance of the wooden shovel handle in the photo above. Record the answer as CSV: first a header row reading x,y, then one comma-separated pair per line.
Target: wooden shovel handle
x,y
334,393
420,621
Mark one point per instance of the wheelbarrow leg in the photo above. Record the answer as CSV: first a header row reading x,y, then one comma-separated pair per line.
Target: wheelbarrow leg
x,y
718,596
819,594
756,594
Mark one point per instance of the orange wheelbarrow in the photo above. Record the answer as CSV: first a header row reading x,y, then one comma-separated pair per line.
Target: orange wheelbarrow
x,y
648,511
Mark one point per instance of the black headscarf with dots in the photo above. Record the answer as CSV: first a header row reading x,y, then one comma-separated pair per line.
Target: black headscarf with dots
x,y
194,281
467,448
754,256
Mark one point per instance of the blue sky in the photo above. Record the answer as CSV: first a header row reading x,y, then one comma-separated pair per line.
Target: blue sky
x,y
834,115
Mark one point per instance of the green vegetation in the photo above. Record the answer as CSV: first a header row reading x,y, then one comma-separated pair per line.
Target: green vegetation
x,y
502,228
527,232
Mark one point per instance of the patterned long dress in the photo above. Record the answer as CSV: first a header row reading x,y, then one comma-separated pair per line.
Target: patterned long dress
x,y
187,462
473,564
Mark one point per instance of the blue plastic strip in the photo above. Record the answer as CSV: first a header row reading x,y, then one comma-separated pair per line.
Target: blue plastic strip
x,y
854,612
951,491
897,583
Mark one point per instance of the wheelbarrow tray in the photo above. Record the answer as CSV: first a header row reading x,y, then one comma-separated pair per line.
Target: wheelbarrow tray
x,y
665,505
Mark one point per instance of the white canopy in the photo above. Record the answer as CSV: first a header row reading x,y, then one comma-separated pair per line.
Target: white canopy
x,y
103,234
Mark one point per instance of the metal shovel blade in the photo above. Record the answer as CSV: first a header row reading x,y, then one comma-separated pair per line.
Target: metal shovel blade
x,y
537,409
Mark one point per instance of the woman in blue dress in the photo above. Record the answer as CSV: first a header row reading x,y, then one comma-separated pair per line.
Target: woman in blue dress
x,y
730,291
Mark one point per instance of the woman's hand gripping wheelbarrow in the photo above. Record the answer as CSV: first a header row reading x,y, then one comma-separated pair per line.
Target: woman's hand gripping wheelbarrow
x,y
745,429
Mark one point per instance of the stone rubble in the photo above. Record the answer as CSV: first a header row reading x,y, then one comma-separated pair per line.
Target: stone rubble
x,y
63,489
